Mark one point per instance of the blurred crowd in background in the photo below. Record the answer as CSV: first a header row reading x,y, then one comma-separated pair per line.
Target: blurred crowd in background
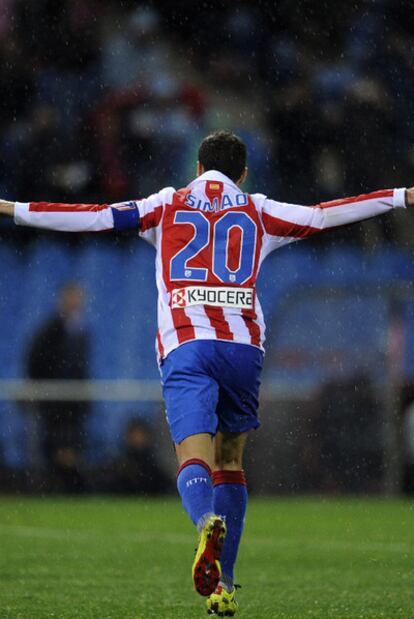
x,y
103,101
108,100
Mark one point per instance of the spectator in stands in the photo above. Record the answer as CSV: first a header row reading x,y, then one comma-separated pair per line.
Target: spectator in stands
x,y
60,351
137,470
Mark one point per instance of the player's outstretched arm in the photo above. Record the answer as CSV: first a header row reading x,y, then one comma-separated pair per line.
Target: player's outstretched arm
x,y
61,217
72,217
287,222
143,215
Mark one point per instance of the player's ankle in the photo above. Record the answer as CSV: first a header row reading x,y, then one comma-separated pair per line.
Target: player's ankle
x,y
202,521
227,582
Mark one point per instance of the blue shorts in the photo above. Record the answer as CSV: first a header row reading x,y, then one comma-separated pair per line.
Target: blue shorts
x,y
211,385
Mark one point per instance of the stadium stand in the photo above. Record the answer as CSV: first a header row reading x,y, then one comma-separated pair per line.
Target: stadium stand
x,y
327,314
323,121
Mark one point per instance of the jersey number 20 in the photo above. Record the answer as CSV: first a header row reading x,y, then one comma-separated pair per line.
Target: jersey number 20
x,y
218,234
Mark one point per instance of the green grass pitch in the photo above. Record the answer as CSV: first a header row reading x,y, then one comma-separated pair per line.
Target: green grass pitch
x,y
105,558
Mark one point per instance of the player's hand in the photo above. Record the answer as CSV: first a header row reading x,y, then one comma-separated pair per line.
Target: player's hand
x,y
6,208
409,196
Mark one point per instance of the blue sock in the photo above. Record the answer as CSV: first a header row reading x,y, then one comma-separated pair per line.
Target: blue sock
x,y
230,501
196,489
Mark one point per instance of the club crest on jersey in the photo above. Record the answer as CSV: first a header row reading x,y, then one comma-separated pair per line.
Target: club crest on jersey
x,y
217,296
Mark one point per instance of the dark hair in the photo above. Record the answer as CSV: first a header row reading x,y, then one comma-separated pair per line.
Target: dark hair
x,y
225,152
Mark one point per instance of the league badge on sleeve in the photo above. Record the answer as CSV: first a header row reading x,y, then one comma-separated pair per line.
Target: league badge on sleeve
x,y
126,215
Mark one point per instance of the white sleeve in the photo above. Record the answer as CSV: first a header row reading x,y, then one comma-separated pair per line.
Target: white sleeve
x,y
284,223
141,215
64,217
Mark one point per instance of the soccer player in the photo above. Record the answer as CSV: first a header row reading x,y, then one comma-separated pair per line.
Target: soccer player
x,y
210,239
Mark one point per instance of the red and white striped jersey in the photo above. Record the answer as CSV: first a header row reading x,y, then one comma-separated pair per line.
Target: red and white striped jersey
x,y
210,240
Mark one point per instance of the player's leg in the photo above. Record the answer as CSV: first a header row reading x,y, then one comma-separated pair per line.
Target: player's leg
x,y
228,450
191,396
194,481
237,410
196,455
230,497
230,501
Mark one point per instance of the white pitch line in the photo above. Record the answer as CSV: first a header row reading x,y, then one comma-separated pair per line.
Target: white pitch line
x,y
72,535
86,534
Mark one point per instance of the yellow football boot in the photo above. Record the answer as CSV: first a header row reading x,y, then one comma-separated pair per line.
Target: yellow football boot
x,y
222,603
206,566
